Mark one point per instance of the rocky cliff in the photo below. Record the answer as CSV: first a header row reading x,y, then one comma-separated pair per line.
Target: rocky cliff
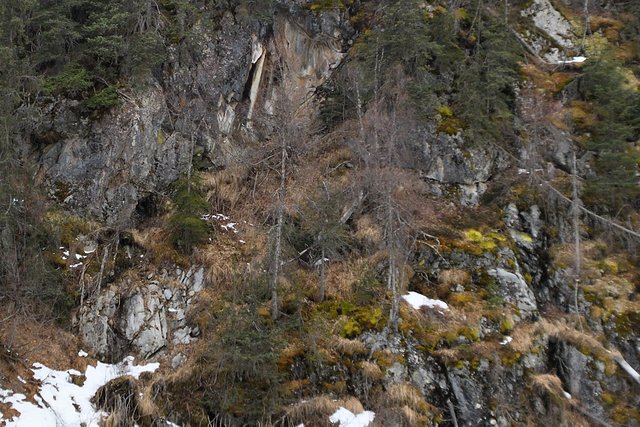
x,y
519,335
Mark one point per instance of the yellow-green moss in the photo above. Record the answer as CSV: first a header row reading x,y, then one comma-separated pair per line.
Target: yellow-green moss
x,y
506,324
608,398
627,323
473,235
460,299
609,266
362,319
528,277
320,5
509,359
160,138
351,329
524,237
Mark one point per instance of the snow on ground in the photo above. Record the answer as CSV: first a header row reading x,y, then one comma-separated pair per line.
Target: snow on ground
x,y
417,300
60,402
346,418
574,60
226,226
506,340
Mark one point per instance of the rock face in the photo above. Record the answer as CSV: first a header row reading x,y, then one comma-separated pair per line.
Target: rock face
x,y
449,161
515,291
105,166
553,36
549,20
143,318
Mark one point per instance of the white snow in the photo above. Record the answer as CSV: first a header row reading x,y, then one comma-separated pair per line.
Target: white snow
x,y
574,60
62,403
506,340
75,265
567,395
230,226
417,300
82,353
346,418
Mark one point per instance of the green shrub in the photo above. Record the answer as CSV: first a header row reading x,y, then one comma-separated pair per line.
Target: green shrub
x,y
103,99
188,229
72,81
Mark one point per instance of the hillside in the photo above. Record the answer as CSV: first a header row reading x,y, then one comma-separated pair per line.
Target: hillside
x,y
319,212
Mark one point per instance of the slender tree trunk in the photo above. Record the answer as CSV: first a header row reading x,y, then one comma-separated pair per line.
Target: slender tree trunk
x,y
575,208
322,275
392,275
585,13
277,250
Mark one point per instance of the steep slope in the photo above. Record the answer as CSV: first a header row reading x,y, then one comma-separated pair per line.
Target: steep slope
x,y
263,211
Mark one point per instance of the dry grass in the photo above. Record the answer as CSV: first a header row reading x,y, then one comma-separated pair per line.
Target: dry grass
x,y
371,371
527,337
413,418
226,188
341,277
368,232
347,346
550,384
454,276
321,407
401,395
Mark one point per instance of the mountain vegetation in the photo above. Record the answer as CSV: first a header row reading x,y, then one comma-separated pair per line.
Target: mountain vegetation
x,y
263,232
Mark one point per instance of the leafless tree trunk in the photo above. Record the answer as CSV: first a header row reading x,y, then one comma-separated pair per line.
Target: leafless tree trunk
x,y
585,13
322,268
575,208
277,246
392,256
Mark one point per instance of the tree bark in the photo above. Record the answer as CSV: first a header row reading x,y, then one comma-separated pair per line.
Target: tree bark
x,y
277,247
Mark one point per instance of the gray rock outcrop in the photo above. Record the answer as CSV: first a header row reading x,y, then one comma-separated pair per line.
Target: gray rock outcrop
x,y
144,318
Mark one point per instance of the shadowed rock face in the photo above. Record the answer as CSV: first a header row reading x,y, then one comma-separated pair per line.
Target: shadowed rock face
x,y
104,166
107,166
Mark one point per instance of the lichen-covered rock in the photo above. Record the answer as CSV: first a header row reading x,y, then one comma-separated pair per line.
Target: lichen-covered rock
x,y
548,19
516,291
140,318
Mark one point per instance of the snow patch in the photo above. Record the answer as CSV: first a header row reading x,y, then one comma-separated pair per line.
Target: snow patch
x,y
506,340
417,300
346,418
82,353
60,401
574,60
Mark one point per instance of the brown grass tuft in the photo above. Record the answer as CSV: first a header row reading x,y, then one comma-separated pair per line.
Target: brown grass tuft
x,y
550,384
321,407
401,395
347,346
367,231
371,371
454,276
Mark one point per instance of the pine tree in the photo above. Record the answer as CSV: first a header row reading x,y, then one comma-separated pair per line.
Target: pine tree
x,y
618,110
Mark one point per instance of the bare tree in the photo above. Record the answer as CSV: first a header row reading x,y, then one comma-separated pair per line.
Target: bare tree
x,y
385,129
286,129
